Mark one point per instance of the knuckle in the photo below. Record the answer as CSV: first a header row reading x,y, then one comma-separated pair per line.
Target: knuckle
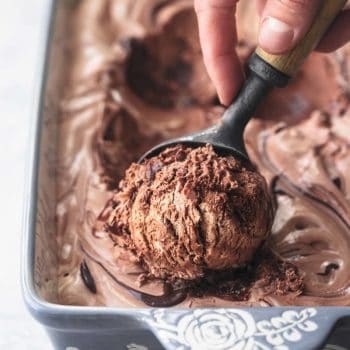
x,y
198,5
296,5
213,5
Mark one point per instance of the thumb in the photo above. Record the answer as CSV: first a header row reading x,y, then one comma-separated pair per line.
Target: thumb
x,y
284,22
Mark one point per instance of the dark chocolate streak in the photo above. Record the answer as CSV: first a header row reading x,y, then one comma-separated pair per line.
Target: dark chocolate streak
x,y
304,192
169,298
87,277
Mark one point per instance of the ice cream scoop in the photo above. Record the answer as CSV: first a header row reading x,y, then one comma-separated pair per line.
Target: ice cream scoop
x,y
188,211
266,72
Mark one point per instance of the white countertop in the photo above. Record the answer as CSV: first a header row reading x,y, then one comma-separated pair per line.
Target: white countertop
x,y
20,22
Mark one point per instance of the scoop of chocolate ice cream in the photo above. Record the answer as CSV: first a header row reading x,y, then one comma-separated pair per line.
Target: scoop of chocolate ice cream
x,y
188,210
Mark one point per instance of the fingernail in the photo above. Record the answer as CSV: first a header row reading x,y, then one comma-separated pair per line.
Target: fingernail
x,y
275,36
223,101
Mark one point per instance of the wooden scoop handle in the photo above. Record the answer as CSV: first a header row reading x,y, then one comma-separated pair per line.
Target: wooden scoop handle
x,y
290,62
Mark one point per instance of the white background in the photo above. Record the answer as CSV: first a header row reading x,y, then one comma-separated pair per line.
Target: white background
x,y
21,22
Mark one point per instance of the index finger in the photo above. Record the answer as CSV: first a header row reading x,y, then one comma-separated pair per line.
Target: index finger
x,y
217,32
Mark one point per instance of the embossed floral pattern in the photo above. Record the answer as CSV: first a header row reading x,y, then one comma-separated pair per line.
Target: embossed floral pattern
x,y
231,329
288,327
206,329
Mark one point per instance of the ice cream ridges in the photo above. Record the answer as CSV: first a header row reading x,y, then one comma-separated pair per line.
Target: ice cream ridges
x,y
125,55
187,211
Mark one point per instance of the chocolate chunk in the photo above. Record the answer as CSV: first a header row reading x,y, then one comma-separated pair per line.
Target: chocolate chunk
x,y
87,277
337,182
329,268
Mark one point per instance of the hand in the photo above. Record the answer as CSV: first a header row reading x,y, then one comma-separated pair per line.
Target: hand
x,y
282,24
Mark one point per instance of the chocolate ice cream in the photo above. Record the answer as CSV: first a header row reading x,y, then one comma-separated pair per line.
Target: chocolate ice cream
x,y
188,211
299,143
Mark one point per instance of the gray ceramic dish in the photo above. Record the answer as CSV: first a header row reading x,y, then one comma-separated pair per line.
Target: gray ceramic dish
x,y
100,328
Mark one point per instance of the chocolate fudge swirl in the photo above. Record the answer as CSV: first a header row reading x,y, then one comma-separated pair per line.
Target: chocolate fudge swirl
x,y
136,77
312,222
